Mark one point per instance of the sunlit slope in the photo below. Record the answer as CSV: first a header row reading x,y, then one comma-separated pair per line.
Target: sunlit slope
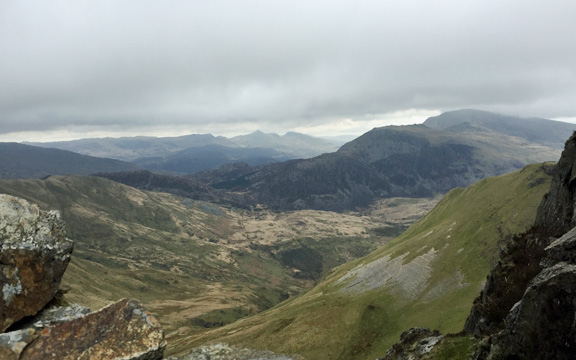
x,y
427,277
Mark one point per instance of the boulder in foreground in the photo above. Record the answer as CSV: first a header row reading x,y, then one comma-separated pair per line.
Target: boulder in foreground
x,y
123,330
34,253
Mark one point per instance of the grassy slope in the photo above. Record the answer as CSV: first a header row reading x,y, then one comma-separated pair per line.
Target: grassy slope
x,y
129,243
464,229
150,246
193,263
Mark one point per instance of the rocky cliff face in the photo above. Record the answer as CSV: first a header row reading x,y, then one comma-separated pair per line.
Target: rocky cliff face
x,y
527,309
34,253
556,213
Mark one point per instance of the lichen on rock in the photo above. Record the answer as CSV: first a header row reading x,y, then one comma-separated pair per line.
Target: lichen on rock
x,y
34,253
13,343
123,330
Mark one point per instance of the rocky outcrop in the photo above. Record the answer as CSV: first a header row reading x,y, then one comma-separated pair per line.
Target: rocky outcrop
x,y
13,343
124,330
520,260
528,307
414,344
556,212
543,324
506,283
34,253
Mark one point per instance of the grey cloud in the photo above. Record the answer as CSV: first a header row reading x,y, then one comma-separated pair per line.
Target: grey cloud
x,y
133,63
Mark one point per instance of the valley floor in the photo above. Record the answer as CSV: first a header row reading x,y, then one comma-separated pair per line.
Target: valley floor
x,y
229,263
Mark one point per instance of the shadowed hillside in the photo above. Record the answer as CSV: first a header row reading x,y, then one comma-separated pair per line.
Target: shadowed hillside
x,y
18,161
408,161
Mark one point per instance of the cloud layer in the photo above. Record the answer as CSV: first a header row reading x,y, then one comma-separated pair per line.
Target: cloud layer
x,y
137,66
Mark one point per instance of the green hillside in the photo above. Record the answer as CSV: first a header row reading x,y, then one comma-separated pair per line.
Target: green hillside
x,y
427,277
194,264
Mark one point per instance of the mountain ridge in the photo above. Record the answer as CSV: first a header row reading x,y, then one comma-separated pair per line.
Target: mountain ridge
x,y
409,160
292,144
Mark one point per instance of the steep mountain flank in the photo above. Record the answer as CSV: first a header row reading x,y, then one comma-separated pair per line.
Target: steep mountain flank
x,y
527,307
417,159
408,161
18,161
426,277
328,182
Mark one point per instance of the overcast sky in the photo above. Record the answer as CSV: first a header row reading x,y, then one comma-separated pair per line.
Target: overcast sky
x,y
71,69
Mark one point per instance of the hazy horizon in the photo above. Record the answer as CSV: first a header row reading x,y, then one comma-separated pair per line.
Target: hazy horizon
x,y
64,136
91,69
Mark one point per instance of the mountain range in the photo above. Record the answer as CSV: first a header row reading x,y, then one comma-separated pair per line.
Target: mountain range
x,y
456,150
218,258
192,153
451,150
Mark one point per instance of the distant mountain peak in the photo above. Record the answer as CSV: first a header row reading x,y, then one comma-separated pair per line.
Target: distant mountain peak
x,y
257,132
297,134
